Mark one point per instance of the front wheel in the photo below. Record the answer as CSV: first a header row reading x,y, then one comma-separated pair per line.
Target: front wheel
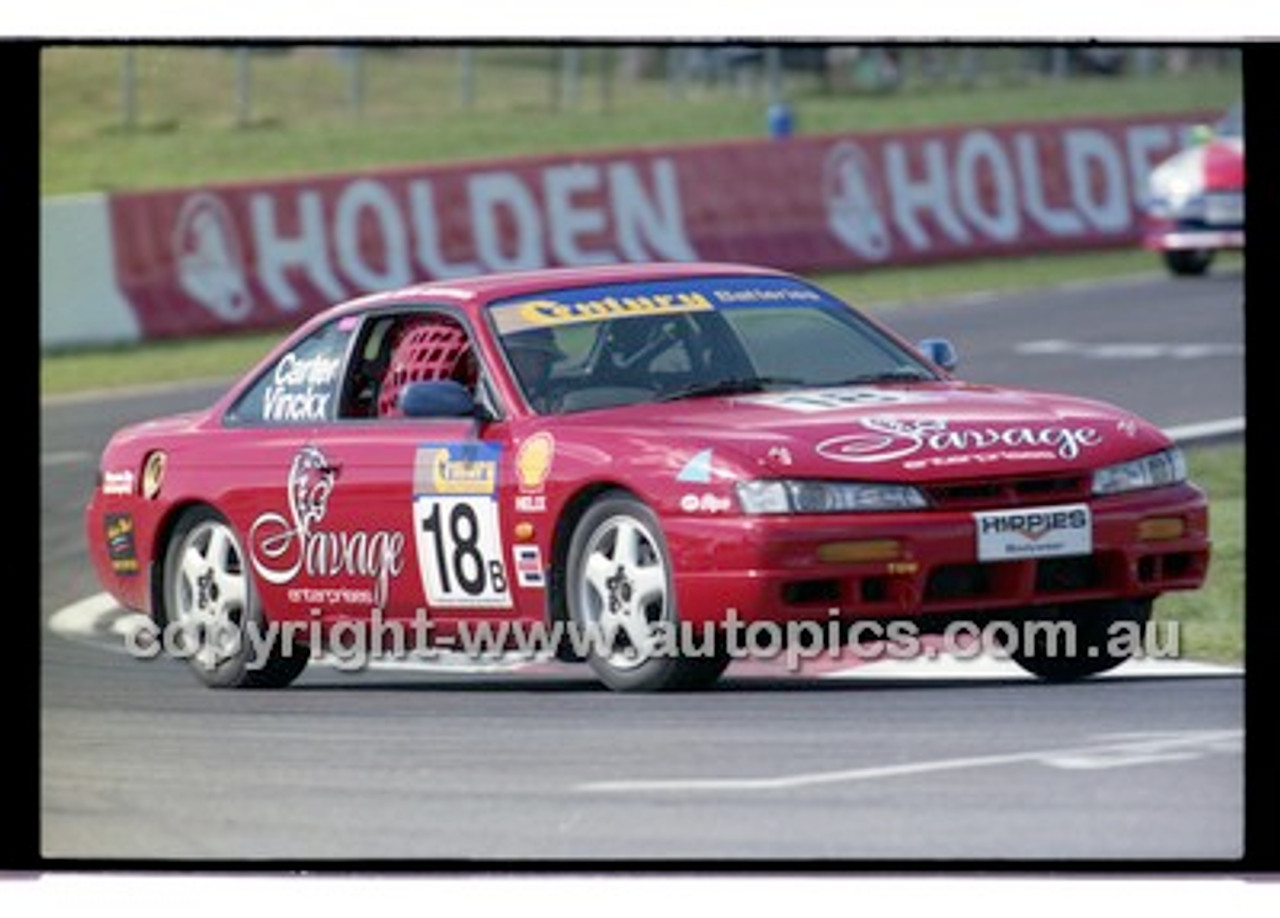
x,y
1188,262
1081,639
211,604
622,601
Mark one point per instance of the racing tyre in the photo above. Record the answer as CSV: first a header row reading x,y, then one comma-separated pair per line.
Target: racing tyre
x,y
698,673
1103,633
1188,262
209,603
620,597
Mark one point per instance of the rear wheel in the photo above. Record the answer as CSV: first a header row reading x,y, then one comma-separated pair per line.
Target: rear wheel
x,y
621,598
1081,639
210,603
1188,262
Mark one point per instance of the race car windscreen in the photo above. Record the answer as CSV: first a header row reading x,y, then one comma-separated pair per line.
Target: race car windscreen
x,y
605,346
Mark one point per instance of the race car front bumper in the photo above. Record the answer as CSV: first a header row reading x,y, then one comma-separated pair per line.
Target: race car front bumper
x,y
1211,232
1194,239
913,564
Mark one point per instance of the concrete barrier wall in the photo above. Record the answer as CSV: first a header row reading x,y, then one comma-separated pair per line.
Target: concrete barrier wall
x,y
80,300
195,261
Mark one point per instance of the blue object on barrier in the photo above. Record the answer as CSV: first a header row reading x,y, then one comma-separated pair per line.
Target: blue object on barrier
x,y
781,120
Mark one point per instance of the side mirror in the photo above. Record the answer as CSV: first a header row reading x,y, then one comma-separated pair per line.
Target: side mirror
x,y
441,399
939,351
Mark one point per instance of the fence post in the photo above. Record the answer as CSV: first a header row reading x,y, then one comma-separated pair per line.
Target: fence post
x,y
570,69
773,74
129,88
675,68
355,80
467,76
553,83
1144,61
607,64
244,89
970,66
1060,65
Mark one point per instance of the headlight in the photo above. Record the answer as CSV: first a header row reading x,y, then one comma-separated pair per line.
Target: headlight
x,y
1163,468
1175,194
826,497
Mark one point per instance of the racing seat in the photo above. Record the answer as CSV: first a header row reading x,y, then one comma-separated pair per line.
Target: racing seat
x,y
426,349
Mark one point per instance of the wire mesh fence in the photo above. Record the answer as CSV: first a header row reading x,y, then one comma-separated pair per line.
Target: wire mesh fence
x,y
164,87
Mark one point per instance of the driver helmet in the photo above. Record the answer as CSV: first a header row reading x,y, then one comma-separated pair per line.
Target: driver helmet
x,y
428,349
534,343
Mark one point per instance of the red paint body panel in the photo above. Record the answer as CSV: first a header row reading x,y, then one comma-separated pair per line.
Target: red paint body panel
x,y
1224,166
363,546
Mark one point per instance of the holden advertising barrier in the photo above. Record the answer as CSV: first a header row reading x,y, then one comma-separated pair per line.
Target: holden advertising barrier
x,y
262,254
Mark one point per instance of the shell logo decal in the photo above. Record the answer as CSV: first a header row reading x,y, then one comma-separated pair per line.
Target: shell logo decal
x,y
533,461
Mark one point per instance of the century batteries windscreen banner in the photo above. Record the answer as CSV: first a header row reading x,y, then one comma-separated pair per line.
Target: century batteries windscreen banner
x,y
267,253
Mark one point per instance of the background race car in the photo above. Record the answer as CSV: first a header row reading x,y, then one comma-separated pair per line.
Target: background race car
x,y
1195,206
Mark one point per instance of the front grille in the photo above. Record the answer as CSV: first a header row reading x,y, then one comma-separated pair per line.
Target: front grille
x,y
807,592
1007,492
957,581
1029,579
1061,575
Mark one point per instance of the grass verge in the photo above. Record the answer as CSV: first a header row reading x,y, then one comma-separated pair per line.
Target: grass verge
x,y
187,123
1210,620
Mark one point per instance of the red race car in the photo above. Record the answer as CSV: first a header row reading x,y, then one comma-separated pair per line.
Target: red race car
x,y
1195,201
647,463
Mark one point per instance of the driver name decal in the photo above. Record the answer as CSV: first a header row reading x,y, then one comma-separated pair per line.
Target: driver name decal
x,y
300,389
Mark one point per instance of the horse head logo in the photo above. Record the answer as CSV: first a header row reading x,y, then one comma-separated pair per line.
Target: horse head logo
x,y
310,484
209,258
854,204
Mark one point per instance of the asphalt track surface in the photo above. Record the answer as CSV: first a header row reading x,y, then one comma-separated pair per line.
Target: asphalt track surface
x,y
138,763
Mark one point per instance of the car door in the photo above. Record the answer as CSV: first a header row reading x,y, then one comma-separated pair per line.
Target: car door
x,y
281,479
413,502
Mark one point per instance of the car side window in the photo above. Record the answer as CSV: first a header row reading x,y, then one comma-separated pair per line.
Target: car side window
x,y
302,386
368,366
396,350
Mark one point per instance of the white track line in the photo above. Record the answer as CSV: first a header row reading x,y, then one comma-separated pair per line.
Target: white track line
x,y
1131,751
1185,433
120,393
80,619
988,667
67,457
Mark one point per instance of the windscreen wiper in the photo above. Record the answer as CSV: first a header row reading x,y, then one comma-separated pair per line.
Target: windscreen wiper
x,y
737,385
898,374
